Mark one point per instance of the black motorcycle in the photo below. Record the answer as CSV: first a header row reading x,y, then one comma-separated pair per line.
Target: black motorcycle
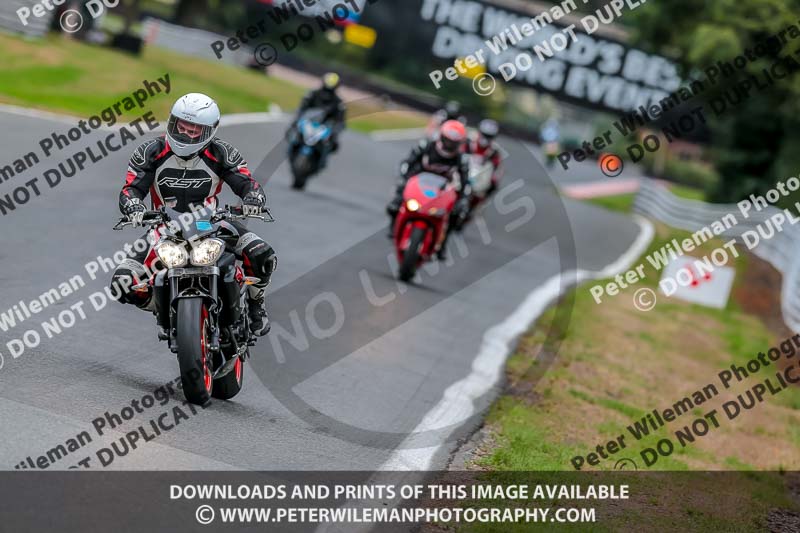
x,y
201,309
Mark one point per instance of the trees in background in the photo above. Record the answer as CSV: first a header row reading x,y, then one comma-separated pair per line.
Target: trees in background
x,y
218,15
755,143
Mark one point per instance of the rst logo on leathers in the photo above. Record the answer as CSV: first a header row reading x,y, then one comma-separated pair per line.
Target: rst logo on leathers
x,y
184,179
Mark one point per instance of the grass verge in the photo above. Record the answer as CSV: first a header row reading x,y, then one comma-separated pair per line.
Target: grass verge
x,y
60,74
616,364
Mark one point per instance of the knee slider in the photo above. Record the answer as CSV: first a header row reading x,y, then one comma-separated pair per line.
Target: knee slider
x,y
125,276
263,262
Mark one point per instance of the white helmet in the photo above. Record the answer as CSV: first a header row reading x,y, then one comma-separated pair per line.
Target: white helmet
x,y
192,125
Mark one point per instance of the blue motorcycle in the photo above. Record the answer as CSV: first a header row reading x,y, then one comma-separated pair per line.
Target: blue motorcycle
x,y
309,145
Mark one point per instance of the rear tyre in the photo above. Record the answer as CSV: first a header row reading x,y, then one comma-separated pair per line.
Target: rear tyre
x,y
411,256
230,384
193,358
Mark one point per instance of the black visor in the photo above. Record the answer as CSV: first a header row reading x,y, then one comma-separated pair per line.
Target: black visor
x,y
186,132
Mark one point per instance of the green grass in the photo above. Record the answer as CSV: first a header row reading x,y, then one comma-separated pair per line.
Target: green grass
x,y
63,75
621,203
624,202
527,445
545,432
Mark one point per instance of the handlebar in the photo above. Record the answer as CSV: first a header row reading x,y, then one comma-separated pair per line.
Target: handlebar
x,y
234,212
155,218
150,218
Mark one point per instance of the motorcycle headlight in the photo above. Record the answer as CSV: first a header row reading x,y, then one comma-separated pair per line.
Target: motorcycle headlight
x,y
171,254
207,252
412,205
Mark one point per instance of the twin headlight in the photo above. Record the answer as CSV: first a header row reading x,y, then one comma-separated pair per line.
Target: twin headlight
x,y
204,253
207,252
171,254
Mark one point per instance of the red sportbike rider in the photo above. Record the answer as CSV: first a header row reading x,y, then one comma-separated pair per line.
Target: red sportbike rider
x,y
445,157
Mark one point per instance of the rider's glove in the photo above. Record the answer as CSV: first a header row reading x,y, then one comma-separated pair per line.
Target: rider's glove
x,y
253,203
134,210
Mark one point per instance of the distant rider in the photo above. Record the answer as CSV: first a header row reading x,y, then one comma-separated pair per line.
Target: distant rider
x,y
485,146
443,156
190,165
451,111
325,98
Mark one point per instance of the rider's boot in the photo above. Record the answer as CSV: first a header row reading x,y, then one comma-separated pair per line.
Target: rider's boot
x,y
259,321
441,255
392,209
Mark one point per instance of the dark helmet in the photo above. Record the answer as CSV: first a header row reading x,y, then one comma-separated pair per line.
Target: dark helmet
x,y
487,132
452,136
452,110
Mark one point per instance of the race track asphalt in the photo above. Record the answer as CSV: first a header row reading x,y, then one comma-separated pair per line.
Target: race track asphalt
x,y
346,402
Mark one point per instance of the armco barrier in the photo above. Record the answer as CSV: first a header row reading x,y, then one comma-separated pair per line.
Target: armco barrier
x,y
782,251
10,21
190,41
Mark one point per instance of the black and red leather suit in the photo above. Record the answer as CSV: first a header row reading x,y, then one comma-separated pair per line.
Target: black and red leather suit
x,y
156,171
426,158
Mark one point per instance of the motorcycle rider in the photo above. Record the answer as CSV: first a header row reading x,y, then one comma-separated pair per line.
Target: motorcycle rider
x,y
443,156
451,111
189,166
550,135
484,145
325,98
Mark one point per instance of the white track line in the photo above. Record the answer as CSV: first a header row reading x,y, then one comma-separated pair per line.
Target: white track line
x,y
275,114
457,403
36,113
409,134
254,118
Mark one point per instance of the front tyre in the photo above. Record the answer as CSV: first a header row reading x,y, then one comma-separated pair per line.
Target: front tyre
x,y
230,384
412,254
301,169
193,357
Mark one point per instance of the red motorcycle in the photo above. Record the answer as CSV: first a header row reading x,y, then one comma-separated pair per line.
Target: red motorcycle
x,y
421,223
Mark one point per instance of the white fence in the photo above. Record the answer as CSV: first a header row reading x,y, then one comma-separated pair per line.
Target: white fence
x,y
10,21
191,41
782,250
